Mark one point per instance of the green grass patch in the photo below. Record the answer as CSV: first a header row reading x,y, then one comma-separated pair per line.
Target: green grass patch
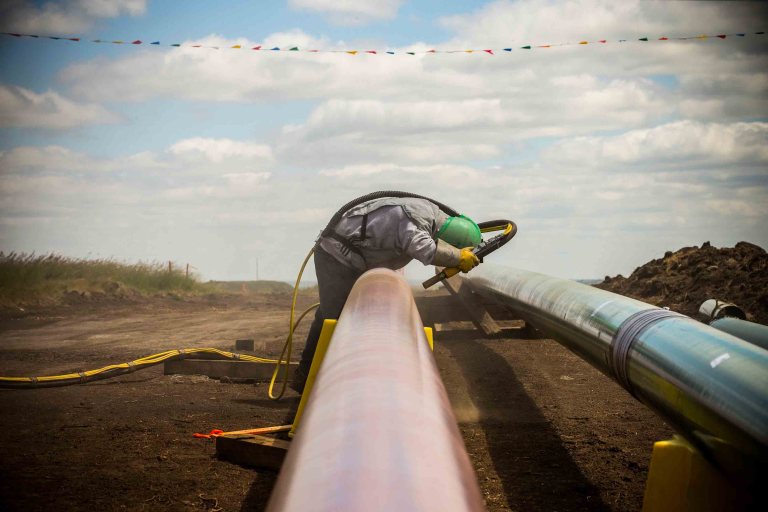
x,y
30,277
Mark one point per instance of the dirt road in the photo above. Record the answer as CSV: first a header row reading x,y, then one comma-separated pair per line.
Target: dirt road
x,y
544,430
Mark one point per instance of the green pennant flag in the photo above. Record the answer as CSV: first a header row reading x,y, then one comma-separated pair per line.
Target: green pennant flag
x,y
294,49
643,39
525,47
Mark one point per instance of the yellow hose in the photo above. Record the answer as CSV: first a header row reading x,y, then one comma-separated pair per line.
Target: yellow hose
x,y
288,346
114,370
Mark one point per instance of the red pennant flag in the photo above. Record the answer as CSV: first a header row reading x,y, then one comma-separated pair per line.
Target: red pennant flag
x,y
371,51
196,46
74,39
431,51
313,51
721,36
663,39
488,51
603,41
256,48
136,42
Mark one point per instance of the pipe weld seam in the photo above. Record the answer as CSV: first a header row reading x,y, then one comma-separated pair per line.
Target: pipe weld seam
x,y
629,330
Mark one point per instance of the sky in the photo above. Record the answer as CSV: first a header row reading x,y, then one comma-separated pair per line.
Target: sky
x,y
606,155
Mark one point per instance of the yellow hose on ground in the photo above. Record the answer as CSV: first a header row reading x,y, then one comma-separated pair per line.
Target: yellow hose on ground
x,y
114,370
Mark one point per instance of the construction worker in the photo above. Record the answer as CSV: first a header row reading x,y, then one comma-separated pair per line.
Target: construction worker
x,y
387,232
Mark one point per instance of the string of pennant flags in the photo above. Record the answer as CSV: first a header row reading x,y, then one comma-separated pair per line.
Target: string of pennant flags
x,y
489,51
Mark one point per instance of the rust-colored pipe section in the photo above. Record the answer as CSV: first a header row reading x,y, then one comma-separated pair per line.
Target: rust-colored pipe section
x,y
378,432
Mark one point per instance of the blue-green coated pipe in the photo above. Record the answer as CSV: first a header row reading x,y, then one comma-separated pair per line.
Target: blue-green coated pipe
x,y
711,386
754,333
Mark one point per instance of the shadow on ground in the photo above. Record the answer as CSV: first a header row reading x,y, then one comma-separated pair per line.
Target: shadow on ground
x,y
258,494
528,455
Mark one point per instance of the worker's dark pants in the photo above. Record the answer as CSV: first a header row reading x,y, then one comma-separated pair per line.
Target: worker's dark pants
x,y
334,282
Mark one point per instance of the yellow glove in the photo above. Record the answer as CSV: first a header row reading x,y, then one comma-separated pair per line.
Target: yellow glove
x,y
467,260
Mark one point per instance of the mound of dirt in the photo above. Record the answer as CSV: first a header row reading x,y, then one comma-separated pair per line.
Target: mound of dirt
x,y
682,280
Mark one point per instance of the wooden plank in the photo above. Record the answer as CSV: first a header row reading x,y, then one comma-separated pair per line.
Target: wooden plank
x,y
216,369
474,306
252,450
441,309
505,325
260,430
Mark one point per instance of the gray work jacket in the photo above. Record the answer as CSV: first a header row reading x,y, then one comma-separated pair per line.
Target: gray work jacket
x,y
397,231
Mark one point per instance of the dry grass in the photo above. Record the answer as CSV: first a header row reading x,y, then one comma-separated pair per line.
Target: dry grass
x,y
30,277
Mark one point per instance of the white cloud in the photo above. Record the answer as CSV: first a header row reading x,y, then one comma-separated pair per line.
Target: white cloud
x,y
48,159
506,22
20,107
344,132
63,16
233,185
681,145
443,172
219,150
350,12
189,169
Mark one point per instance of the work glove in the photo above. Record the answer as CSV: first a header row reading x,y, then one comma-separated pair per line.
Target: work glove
x,y
468,260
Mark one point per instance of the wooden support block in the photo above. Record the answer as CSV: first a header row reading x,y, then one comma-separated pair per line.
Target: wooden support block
x,y
441,309
477,311
252,450
244,345
216,369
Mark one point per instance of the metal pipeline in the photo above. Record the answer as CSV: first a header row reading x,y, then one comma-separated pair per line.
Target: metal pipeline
x,y
378,432
756,334
710,386
730,318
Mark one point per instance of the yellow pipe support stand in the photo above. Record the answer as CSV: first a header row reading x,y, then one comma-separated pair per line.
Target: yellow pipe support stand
x,y
322,347
681,480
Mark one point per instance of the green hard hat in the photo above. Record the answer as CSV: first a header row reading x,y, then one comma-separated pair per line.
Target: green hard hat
x,y
460,232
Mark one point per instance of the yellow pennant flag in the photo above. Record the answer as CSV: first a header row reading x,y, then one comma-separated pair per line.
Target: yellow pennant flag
x,y
584,42
236,46
352,52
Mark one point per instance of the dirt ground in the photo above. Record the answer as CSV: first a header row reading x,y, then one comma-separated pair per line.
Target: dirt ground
x,y
544,430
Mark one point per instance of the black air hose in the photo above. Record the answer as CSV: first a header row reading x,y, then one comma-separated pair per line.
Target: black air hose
x,y
378,195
